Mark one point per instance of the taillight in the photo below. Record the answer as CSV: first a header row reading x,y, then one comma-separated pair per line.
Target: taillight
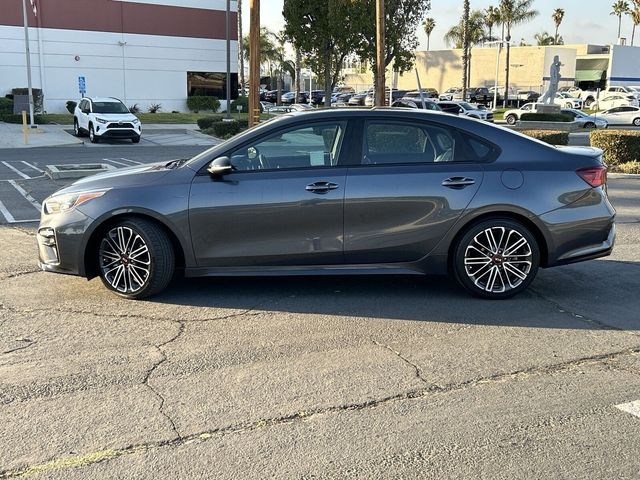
x,y
594,176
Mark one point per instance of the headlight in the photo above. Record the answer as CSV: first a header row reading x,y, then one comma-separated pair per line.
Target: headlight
x,y
63,203
135,122
101,120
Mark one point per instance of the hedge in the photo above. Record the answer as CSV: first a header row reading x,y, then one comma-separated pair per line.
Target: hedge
x,y
207,122
71,106
629,167
6,105
546,117
240,101
225,129
17,118
200,102
619,146
552,137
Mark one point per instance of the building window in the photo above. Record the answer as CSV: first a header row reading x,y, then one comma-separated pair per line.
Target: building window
x,y
211,84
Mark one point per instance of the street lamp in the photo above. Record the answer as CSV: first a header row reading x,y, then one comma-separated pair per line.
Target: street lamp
x,y
495,93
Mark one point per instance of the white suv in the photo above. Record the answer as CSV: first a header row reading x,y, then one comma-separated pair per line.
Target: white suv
x,y
105,118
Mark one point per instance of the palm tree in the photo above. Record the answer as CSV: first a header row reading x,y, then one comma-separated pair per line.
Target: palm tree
x,y
429,24
240,48
635,17
557,16
512,13
544,38
491,18
475,34
621,7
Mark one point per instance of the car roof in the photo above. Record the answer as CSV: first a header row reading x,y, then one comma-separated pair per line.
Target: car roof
x,y
103,99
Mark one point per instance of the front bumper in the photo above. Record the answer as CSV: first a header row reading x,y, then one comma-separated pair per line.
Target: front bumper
x,y
113,130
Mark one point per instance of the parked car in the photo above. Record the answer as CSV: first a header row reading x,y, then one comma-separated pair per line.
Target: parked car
x,y
448,94
626,115
426,93
527,96
289,98
585,120
408,102
358,99
135,228
613,101
316,97
105,117
566,100
395,95
513,115
474,95
271,96
467,109
343,98
587,96
621,90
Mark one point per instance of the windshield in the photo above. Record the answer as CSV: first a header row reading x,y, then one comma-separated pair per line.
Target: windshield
x,y
467,106
109,107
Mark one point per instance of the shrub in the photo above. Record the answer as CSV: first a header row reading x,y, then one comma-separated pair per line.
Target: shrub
x,y
200,102
17,118
223,129
243,123
71,106
6,105
546,117
155,107
243,101
552,137
619,146
629,167
37,97
135,109
207,122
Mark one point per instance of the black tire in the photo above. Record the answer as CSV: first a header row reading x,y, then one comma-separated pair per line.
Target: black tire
x,y
92,136
636,122
76,128
589,101
135,140
511,119
158,260
589,125
482,278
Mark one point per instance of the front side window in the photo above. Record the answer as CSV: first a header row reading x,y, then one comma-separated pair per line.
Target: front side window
x,y
309,146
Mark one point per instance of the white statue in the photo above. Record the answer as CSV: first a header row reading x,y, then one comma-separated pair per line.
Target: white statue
x,y
554,80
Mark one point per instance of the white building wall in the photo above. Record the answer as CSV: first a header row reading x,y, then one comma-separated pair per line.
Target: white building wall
x,y
624,66
142,69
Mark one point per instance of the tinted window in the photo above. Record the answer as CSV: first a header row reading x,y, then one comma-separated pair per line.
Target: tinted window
x,y
109,107
299,147
392,143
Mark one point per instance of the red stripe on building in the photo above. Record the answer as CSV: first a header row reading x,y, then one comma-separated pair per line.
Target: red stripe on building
x,y
123,17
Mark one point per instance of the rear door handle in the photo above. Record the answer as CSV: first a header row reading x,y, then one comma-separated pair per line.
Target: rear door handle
x,y
320,187
458,182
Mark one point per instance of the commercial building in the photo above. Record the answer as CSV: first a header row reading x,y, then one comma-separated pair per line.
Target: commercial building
x,y
142,51
589,66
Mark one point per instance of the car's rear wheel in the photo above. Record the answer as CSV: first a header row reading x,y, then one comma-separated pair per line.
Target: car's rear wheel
x,y
496,259
136,259
92,135
511,119
636,122
589,125
76,128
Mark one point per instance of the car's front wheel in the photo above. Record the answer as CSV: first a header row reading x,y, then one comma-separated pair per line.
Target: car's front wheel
x,y
92,135
511,119
589,125
496,259
136,259
636,122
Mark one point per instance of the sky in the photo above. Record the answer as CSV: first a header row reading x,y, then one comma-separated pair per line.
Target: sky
x,y
585,21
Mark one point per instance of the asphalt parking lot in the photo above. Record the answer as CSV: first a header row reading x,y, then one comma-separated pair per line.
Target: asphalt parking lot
x,y
327,377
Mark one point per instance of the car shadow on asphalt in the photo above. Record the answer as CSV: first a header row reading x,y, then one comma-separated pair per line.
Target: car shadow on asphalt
x,y
587,296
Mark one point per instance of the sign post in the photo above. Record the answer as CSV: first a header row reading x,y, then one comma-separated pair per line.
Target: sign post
x,y
82,86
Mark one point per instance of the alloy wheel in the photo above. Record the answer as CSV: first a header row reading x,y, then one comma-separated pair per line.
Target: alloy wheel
x,y
125,260
498,259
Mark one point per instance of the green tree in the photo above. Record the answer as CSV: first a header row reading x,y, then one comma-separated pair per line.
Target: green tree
x,y
635,17
543,39
281,64
512,13
476,34
429,24
323,31
620,8
269,54
557,16
402,18
491,18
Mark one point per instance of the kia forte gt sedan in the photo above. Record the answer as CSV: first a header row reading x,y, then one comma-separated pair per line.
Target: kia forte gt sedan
x,y
353,191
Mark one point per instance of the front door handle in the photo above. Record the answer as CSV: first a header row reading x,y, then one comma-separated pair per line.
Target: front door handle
x,y
320,187
458,182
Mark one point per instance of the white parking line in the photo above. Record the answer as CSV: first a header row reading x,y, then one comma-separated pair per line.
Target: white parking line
x,y
26,195
116,162
632,407
132,161
6,214
32,166
23,175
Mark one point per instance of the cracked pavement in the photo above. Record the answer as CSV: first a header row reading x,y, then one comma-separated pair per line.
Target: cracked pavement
x,y
349,377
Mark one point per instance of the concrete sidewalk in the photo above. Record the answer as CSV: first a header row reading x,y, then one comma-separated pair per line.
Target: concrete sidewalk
x,y
44,136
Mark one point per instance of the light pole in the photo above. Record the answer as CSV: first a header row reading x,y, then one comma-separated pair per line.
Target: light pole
x,y
28,53
254,62
228,60
495,93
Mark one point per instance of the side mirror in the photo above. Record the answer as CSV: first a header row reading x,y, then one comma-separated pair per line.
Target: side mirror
x,y
460,111
220,166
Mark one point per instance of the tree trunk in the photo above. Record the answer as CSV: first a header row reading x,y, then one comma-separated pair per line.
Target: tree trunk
x,y
298,85
279,93
506,68
633,34
428,41
619,24
465,49
240,47
555,39
327,76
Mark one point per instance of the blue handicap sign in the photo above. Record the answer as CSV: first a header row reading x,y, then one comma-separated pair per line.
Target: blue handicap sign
x,y
82,85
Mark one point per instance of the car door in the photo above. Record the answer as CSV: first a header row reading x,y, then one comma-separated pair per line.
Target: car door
x,y
614,116
413,182
82,116
281,206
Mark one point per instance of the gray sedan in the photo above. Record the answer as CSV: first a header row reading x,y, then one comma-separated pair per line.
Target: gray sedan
x,y
585,120
352,191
